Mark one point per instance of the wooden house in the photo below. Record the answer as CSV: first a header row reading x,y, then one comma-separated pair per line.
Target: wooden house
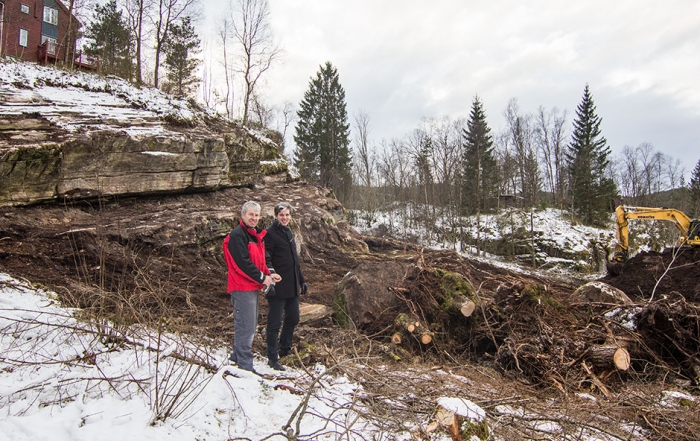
x,y
38,30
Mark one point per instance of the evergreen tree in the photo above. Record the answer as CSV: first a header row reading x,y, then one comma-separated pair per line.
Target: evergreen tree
x,y
110,39
180,50
479,167
590,190
695,191
323,134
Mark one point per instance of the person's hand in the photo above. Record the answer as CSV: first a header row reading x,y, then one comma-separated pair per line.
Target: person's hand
x,y
304,288
268,281
276,277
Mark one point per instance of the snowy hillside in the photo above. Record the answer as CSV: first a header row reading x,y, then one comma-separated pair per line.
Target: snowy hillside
x,y
56,94
548,236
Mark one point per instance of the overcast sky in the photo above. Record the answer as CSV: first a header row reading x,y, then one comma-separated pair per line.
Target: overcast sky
x,y
403,60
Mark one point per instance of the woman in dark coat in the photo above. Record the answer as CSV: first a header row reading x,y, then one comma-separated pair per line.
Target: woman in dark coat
x,y
281,250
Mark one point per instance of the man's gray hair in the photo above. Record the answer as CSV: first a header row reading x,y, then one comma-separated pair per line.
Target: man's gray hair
x,y
248,206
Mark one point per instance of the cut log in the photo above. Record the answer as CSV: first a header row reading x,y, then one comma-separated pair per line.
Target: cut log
x,y
467,308
450,420
396,338
413,327
312,312
608,356
621,358
426,338
407,322
459,417
462,304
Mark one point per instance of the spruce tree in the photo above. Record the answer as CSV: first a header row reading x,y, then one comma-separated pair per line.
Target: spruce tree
x,y
180,50
110,39
323,134
695,191
479,167
590,190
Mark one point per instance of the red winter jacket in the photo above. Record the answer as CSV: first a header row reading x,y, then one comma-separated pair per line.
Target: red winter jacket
x,y
244,251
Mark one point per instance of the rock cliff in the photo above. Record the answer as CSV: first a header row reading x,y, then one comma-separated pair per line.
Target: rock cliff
x,y
68,135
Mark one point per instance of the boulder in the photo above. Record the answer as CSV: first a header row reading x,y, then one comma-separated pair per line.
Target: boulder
x,y
600,292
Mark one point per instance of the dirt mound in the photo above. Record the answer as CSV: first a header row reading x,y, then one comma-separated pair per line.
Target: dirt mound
x,y
657,273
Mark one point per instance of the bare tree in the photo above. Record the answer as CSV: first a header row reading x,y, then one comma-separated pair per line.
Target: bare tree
x,y
258,108
447,150
166,13
207,91
629,176
75,10
364,160
137,11
224,25
549,139
520,134
287,117
394,168
251,29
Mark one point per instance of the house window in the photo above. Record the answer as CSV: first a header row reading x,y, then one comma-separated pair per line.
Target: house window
x,y
23,37
51,15
24,9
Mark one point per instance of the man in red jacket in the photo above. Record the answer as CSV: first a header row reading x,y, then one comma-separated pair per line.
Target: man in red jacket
x,y
244,251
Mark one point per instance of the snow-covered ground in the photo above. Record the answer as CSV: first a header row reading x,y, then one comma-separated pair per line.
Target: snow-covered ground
x,y
62,378
72,99
65,378
551,229
84,101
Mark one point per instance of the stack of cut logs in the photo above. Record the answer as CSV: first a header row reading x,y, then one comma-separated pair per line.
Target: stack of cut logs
x,y
415,327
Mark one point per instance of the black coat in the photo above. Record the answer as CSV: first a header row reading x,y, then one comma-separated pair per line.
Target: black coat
x,y
281,250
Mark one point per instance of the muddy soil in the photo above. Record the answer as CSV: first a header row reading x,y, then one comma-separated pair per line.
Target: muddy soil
x,y
660,273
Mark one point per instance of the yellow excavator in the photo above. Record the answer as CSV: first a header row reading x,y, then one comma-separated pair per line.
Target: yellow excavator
x,y
688,228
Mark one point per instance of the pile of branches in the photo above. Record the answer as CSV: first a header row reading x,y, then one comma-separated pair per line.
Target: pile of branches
x,y
542,336
670,328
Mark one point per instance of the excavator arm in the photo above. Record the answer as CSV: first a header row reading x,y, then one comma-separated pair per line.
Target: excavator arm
x,y
689,229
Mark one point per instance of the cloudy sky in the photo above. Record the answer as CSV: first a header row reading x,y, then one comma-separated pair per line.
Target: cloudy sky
x,y
403,60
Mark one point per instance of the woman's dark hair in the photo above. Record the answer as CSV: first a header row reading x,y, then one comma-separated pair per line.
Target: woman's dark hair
x,y
282,206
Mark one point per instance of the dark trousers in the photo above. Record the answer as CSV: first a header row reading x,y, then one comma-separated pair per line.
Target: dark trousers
x,y
276,341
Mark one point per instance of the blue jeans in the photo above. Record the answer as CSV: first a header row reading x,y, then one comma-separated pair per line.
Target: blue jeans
x,y
245,322
290,309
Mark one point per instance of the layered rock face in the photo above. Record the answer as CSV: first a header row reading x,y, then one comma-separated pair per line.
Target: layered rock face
x,y
67,142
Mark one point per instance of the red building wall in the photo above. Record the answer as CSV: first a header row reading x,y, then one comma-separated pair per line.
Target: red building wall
x,y
13,19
